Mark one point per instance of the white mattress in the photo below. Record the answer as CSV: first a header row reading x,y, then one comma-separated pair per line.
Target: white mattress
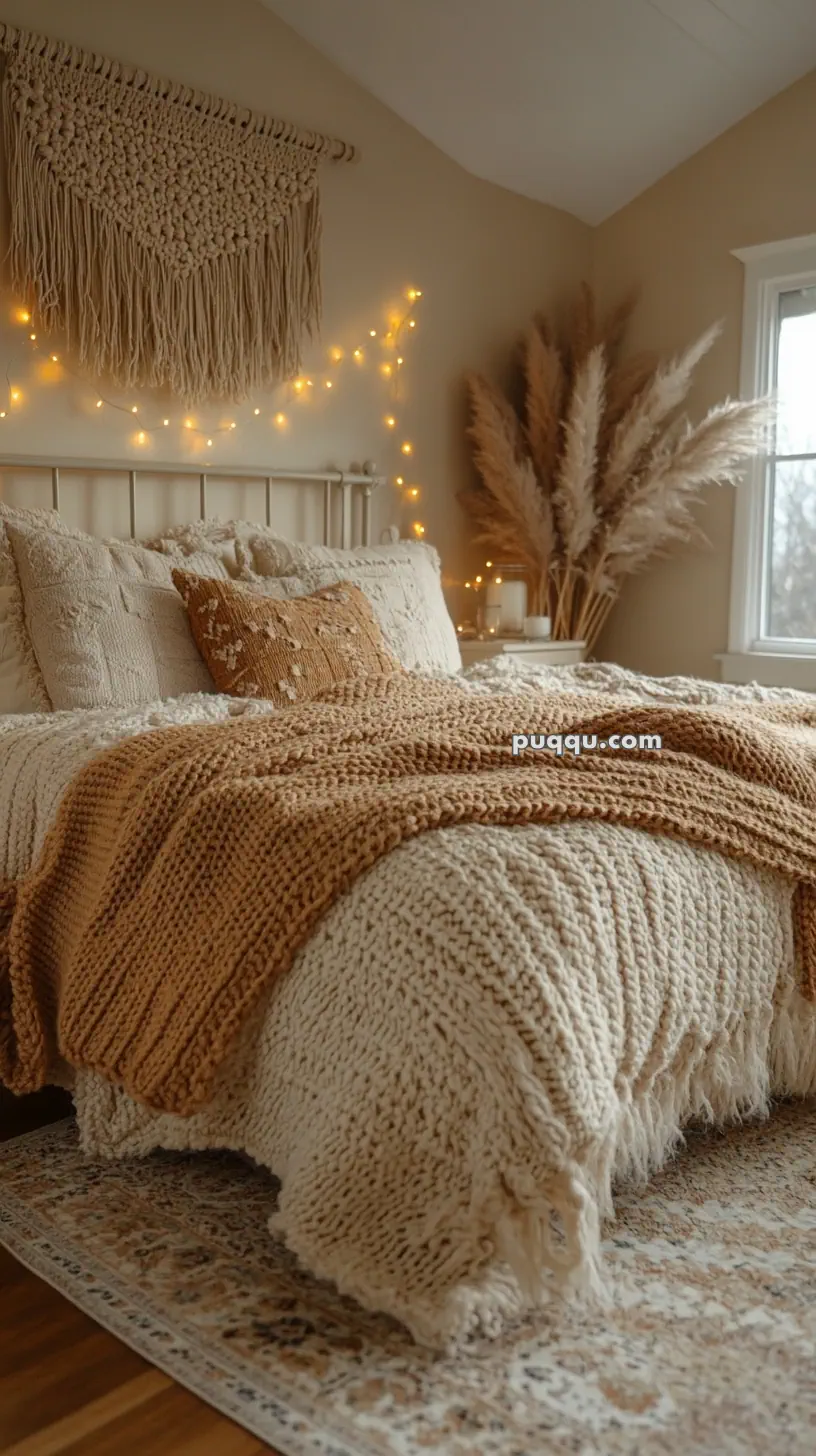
x,y
492,1023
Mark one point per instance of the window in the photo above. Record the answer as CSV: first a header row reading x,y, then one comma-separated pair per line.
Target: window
x,y
773,597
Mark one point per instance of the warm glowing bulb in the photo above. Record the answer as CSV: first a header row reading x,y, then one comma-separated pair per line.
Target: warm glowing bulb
x,y
2,414
209,442
15,394
498,580
390,421
256,411
165,422
328,383
491,630
141,437
32,336
23,316
400,480
55,358
414,492
418,292
479,580
488,564
134,409
400,359
99,403
373,333
387,371
233,425
412,323
412,294
309,382
280,419
358,354
419,529
467,585
188,424
298,385
406,448
336,354
459,629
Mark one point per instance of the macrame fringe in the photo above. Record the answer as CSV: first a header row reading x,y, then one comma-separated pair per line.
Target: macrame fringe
x,y
546,1235
237,320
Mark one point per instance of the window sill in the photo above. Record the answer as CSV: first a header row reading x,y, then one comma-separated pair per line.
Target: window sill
x,y
770,669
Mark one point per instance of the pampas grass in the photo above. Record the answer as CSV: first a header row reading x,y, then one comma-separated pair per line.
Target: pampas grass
x,y
600,470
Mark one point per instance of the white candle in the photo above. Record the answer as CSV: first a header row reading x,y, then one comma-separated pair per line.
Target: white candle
x,y
513,602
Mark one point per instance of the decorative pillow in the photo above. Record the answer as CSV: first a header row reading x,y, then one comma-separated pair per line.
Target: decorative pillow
x,y
22,689
106,625
226,540
402,582
286,650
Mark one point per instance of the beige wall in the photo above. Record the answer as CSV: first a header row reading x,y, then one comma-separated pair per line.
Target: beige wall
x,y
752,185
405,214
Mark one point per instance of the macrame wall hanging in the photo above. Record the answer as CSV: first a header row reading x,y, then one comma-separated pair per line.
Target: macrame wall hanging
x,y
173,239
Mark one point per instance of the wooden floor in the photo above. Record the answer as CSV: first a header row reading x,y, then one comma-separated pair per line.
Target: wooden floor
x,y
67,1386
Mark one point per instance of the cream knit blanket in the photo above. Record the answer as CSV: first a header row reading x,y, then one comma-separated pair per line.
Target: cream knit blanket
x,y
421,1122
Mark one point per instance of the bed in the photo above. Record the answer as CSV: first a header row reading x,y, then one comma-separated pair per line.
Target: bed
x,y
486,1032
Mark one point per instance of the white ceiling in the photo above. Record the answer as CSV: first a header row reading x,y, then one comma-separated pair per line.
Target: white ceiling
x,y
579,103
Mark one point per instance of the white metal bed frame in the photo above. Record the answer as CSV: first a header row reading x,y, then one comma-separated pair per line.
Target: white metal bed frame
x,y
349,484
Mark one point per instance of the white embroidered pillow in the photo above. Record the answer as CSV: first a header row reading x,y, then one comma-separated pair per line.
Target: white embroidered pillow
x,y
22,689
106,623
402,582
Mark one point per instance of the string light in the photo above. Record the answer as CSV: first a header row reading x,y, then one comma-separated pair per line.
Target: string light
x,y
388,369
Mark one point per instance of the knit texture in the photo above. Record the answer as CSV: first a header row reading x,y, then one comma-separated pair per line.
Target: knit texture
x,y
288,651
424,1066
187,868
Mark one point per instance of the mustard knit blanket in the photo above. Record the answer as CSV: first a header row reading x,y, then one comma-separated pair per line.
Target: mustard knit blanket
x,y
187,867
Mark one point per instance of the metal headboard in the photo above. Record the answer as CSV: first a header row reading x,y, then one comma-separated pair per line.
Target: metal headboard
x,y
348,483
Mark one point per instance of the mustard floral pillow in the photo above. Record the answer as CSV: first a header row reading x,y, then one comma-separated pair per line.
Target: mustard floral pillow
x,y
289,651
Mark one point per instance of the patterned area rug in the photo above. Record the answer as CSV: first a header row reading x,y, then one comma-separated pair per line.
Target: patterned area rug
x,y
708,1347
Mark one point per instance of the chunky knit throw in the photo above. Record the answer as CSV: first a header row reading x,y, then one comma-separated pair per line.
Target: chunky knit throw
x,y
172,237
186,867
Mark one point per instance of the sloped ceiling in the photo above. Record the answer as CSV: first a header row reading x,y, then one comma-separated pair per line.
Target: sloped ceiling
x,y
579,103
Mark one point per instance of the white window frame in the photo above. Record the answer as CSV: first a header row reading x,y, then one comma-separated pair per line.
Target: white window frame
x,y
770,269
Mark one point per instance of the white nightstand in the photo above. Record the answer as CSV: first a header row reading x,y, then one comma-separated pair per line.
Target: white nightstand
x,y
551,654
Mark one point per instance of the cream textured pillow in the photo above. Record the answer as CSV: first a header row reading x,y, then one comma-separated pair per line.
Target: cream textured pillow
x,y
106,624
286,650
22,689
402,582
